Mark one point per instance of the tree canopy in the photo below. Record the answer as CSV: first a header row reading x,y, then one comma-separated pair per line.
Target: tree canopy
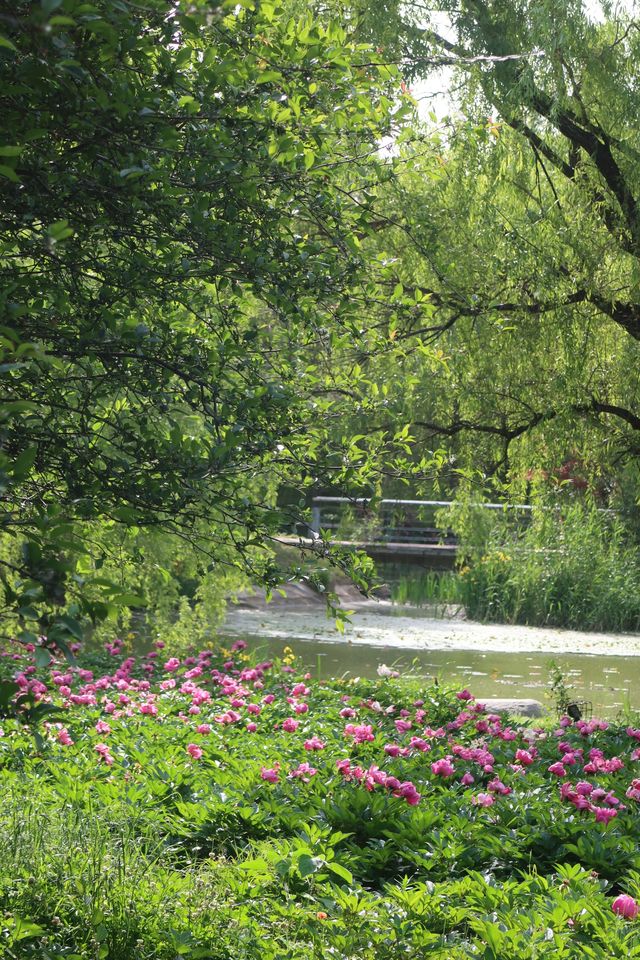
x,y
232,272
184,196
517,216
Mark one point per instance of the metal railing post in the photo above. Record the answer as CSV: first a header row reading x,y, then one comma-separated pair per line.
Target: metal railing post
x,y
316,517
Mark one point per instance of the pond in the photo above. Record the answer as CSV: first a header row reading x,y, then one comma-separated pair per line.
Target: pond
x,y
492,660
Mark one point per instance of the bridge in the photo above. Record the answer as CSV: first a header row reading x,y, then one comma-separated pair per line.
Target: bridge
x,y
404,531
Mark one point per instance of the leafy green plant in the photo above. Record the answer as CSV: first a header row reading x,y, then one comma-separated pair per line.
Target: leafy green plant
x,y
572,565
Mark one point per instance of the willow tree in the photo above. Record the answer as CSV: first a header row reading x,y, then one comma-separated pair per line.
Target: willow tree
x,y
518,219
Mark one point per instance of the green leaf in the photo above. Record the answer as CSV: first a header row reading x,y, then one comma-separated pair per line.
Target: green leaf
x,y
130,173
8,690
17,406
24,929
258,866
128,600
340,871
73,627
24,462
6,43
308,865
9,174
269,76
60,230
42,657
10,151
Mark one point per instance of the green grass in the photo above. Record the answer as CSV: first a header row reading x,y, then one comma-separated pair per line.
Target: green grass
x,y
571,566
427,588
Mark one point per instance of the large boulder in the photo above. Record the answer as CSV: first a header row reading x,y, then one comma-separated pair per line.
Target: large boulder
x,y
517,706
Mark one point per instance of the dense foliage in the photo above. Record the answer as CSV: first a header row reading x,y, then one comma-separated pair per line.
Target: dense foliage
x,y
184,195
220,293
516,216
216,807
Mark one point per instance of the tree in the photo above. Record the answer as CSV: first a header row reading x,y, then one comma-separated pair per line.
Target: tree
x,y
518,217
181,198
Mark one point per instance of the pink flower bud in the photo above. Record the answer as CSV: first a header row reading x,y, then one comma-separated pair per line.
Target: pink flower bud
x,y
625,906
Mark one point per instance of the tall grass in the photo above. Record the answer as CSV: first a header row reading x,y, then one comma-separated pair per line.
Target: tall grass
x,y
97,885
439,589
573,567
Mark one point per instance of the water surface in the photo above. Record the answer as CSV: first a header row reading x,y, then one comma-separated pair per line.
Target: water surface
x,y
493,661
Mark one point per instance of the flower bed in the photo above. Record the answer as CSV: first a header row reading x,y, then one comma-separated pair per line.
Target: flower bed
x,y
213,807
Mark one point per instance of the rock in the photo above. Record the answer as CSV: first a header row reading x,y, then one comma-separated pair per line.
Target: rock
x,y
517,706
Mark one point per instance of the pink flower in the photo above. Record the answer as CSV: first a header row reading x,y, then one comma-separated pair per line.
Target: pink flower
x,y
464,695
392,749
604,814
194,751
443,768
633,793
301,708
497,786
270,774
290,725
625,906
172,664
408,791
252,726
557,769
361,733
313,743
231,716
483,800
64,737
303,772
584,788
103,750
467,779
203,728
403,725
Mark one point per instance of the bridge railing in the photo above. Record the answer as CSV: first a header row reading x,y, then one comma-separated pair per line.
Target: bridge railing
x,y
397,521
